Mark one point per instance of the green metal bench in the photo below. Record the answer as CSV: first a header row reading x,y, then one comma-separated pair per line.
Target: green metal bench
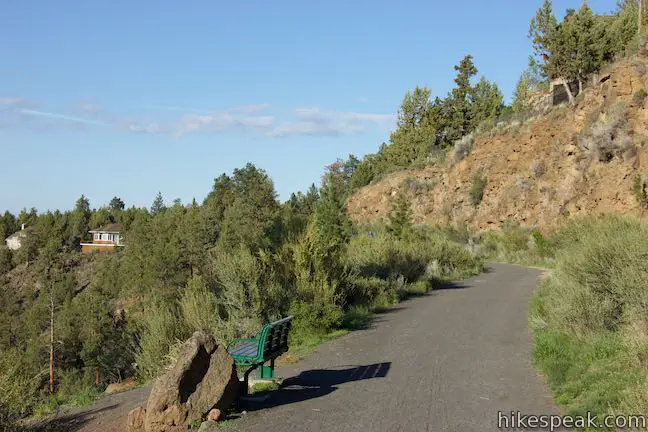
x,y
267,345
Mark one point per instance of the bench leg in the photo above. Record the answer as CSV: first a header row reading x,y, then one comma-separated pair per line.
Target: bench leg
x,y
246,377
263,371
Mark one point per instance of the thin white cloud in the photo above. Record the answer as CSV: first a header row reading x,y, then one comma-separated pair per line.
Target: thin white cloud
x,y
16,112
242,109
221,122
363,100
56,116
90,107
313,121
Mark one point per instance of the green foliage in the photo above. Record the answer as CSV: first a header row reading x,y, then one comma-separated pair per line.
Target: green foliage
x,y
639,96
528,83
400,218
582,42
487,102
589,317
477,186
252,220
161,328
158,205
639,190
199,309
6,260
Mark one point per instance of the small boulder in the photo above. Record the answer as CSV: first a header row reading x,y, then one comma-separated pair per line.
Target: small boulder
x,y
135,422
203,378
214,415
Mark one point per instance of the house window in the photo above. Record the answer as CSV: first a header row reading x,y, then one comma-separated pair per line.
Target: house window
x,y
111,237
97,236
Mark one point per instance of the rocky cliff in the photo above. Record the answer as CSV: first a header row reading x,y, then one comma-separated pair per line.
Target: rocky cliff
x,y
565,162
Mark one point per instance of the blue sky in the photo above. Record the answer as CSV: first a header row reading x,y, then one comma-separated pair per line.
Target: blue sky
x,y
131,98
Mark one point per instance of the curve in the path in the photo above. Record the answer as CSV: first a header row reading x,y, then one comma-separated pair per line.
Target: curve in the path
x,y
449,361
445,362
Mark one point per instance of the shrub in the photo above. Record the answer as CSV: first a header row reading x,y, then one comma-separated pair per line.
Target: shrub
x,y
419,186
477,189
426,255
538,168
639,96
463,147
161,328
606,138
591,317
18,390
200,311
639,188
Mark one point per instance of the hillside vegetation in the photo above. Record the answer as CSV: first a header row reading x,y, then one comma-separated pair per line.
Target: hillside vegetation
x,y
71,323
468,159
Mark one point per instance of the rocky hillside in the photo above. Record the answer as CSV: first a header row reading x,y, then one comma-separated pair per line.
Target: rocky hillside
x,y
565,162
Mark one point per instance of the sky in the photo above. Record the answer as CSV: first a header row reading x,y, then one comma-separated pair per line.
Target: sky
x,y
128,98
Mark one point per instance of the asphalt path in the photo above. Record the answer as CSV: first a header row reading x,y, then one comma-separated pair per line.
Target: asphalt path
x,y
450,361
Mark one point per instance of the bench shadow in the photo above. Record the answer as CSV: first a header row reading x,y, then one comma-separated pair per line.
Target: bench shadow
x,y
70,422
312,384
440,286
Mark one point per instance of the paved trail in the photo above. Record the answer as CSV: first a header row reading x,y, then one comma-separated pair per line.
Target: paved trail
x,y
446,362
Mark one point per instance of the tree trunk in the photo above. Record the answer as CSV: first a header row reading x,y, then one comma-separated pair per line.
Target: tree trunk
x,y
572,100
51,353
640,16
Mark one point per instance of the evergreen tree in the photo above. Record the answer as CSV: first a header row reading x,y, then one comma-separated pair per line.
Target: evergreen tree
x,y
400,218
523,92
542,34
487,102
158,205
116,205
331,220
213,209
461,101
253,218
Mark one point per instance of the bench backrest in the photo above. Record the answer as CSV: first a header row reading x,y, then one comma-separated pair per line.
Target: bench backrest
x,y
274,337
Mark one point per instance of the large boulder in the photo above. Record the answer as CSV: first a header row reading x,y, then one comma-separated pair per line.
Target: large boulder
x,y
203,378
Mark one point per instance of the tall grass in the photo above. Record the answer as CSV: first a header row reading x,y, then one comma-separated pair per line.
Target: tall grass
x,y
590,317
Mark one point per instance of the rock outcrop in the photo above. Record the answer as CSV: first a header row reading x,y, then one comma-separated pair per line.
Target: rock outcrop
x,y
204,378
539,171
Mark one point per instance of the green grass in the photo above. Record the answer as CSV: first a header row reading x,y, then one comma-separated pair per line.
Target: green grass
x,y
590,318
264,387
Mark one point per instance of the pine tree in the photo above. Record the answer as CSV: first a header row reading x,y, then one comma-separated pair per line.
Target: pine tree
x,y
461,117
522,93
400,218
487,102
542,33
332,225
158,205
116,205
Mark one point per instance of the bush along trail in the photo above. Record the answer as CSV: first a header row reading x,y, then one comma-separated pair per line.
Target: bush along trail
x,y
590,318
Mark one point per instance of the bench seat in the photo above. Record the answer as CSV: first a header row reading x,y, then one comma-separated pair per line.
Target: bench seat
x,y
267,345
245,349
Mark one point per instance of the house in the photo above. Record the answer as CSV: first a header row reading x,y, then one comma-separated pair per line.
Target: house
x,y
15,239
104,239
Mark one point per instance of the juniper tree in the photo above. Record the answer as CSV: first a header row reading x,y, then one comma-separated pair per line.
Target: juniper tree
x,y
461,116
400,218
